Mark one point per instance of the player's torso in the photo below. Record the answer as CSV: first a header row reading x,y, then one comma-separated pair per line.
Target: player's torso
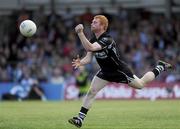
x,y
109,58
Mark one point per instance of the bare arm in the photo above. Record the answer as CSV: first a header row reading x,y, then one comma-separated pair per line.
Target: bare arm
x,y
85,42
80,62
87,59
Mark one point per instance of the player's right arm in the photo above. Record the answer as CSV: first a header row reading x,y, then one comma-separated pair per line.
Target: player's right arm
x,y
90,47
76,63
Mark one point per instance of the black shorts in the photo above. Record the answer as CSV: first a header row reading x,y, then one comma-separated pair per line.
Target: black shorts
x,y
119,76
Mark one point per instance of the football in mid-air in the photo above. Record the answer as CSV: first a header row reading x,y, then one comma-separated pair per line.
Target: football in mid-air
x,y
27,28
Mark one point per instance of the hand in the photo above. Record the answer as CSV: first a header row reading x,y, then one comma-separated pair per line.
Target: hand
x,y
76,62
79,28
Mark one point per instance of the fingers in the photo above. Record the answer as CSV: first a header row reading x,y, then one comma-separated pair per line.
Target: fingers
x,y
77,58
76,62
79,28
75,66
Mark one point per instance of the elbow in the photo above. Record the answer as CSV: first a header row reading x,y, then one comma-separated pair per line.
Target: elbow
x,y
90,49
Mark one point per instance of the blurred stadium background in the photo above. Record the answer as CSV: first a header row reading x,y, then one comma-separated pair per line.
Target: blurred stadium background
x,y
145,30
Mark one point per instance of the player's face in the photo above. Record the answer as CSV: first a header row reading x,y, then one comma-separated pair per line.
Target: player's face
x,y
96,25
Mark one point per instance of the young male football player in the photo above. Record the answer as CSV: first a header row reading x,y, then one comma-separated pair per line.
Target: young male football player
x,y
112,66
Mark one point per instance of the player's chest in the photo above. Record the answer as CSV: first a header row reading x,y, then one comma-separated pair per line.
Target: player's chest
x,y
101,54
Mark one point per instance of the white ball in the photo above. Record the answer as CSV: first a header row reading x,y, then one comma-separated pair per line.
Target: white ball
x,y
27,28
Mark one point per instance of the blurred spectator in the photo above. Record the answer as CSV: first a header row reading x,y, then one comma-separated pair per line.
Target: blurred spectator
x,y
122,13
170,80
87,16
53,17
56,77
68,17
82,81
141,39
23,15
39,16
28,88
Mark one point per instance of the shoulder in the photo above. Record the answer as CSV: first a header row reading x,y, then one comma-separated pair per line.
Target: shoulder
x,y
106,38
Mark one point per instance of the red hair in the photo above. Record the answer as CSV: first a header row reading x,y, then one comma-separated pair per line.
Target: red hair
x,y
103,20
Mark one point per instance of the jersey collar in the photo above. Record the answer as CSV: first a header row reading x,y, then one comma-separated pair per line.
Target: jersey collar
x,y
103,34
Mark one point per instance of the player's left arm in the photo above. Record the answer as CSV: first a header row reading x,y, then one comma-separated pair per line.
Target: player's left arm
x,y
87,45
85,42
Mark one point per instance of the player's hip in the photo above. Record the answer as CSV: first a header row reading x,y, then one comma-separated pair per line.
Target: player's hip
x,y
119,76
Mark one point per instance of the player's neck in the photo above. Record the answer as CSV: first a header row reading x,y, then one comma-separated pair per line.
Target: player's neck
x,y
98,34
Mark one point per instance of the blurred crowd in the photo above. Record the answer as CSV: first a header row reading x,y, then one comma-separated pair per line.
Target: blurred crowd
x,y
143,38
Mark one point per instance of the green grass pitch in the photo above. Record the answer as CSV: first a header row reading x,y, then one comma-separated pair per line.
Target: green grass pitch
x,y
106,114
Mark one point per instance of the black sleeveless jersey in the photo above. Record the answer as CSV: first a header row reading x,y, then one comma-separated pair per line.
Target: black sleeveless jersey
x,y
111,61
109,58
